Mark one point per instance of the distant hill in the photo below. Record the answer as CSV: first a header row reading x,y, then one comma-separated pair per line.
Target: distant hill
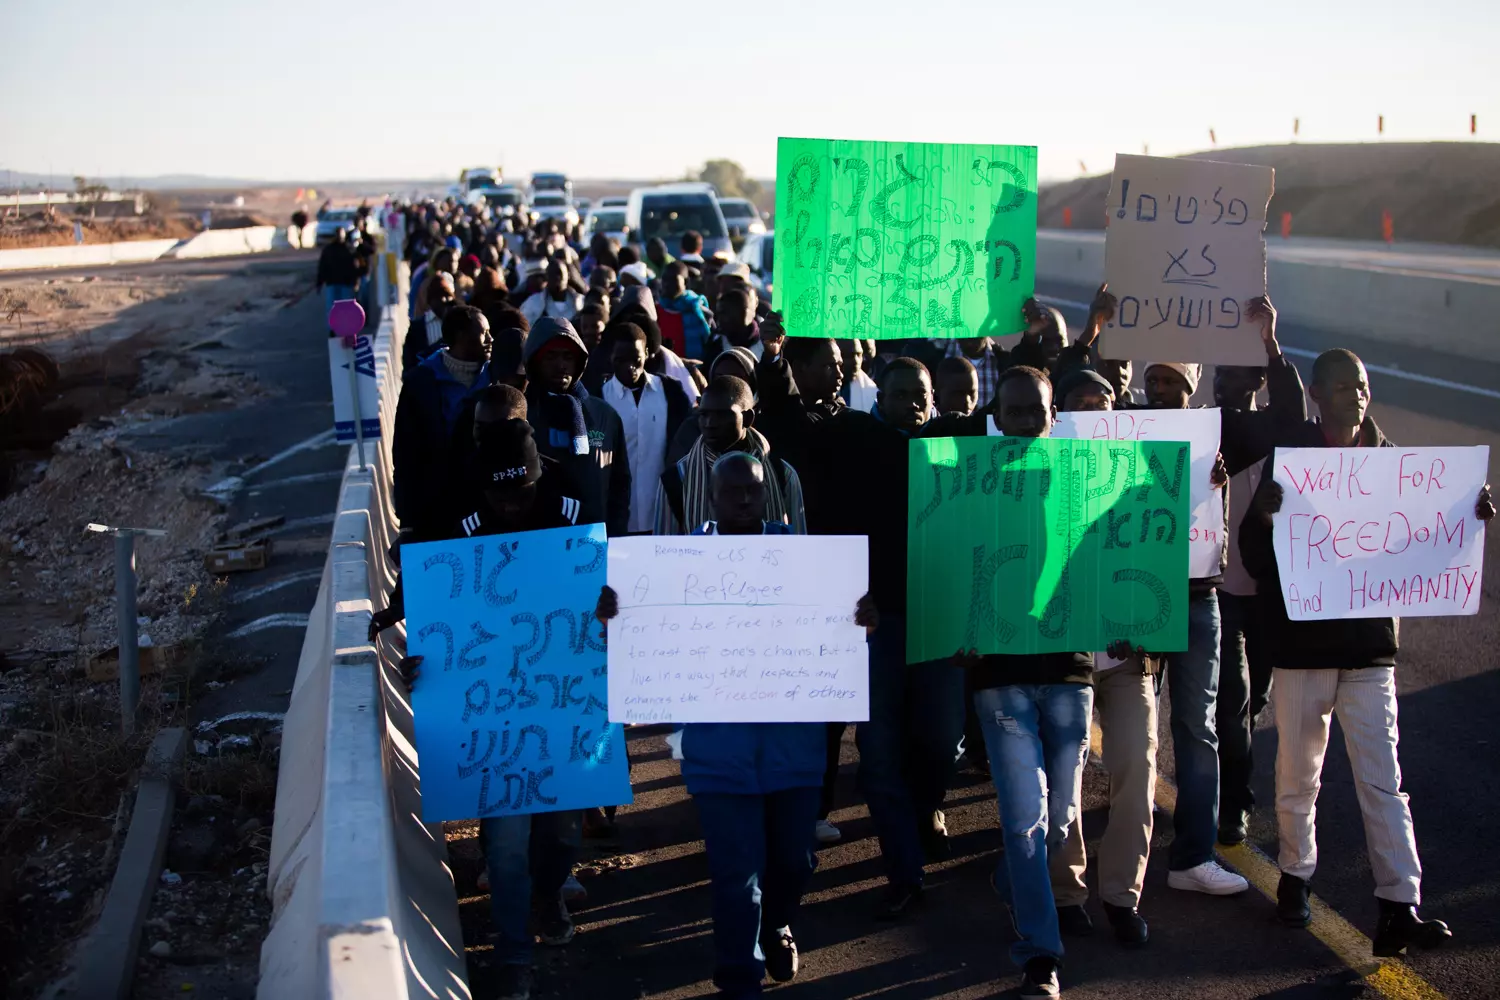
x,y
1436,192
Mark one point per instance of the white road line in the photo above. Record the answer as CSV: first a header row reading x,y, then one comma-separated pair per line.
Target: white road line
x,y
284,620
310,477
226,488
1302,352
275,585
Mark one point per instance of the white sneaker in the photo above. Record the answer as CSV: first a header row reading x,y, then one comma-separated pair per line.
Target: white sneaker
x,y
1208,877
827,833
573,891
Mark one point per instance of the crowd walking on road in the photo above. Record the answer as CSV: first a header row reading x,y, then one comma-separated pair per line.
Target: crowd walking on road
x,y
653,390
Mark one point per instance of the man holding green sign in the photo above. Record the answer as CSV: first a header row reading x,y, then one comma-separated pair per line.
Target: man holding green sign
x,y
1073,545
893,240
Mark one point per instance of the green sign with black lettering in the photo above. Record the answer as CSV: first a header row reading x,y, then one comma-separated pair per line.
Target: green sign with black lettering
x,y
1040,545
904,239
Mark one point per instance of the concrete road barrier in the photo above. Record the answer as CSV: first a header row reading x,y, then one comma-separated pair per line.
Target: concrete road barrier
x,y
84,255
222,242
363,900
1452,313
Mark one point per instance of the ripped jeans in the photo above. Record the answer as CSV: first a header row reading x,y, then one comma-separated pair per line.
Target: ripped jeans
x,y
1037,736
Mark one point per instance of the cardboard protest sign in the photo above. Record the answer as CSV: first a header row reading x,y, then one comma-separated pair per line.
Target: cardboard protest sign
x,y
1379,532
1039,545
1184,251
738,628
343,392
1200,429
904,239
510,711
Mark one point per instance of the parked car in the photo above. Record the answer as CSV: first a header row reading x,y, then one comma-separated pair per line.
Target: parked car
x,y
554,205
550,182
742,217
670,210
759,253
610,221
335,219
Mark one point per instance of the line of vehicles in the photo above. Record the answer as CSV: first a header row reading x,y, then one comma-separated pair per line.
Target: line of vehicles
x,y
668,211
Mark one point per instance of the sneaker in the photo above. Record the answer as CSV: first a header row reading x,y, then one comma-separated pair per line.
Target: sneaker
x,y
513,983
1400,926
1040,980
781,955
1130,926
1209,878
554,926
1291,901
1074,921
934,837
899,900
827,833
573,891
482,883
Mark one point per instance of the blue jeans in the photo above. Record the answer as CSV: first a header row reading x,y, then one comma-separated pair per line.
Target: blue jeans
x,y
333,293
1037,736
908,748
1193,679
526,854
760,856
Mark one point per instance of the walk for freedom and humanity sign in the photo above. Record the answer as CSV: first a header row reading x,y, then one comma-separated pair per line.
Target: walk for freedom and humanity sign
x,y
1043,545
889,240
1379,532
1184,251
510,711
738,628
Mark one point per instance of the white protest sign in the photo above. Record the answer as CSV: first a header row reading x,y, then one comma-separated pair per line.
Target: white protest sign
x,y
369,396
738,628
1200,429
1185,249
1379,532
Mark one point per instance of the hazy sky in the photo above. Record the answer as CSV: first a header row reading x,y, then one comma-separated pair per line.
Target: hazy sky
x,y
306,89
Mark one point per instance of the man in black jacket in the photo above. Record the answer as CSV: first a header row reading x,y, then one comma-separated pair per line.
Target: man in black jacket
x,y
858,486
338,271
1347,666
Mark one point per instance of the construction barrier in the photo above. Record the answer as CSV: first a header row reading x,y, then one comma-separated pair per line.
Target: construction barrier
x,y
363,900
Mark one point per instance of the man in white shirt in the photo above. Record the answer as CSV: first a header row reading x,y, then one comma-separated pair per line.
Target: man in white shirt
x,y
651,409
554,299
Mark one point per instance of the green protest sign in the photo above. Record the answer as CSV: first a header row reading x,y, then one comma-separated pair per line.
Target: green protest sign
x,y
904,239
1022,545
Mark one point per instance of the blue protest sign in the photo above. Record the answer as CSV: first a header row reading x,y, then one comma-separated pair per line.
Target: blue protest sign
x,y
511,709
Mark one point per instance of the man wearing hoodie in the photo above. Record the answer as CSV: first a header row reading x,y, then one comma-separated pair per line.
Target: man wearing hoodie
x,y
1345,666
432,397
581,432
682,314
1245,437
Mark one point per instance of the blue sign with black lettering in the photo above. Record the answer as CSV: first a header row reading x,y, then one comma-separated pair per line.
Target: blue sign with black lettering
x,y
510,709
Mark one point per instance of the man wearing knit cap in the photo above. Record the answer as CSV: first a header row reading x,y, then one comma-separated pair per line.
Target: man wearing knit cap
x,y
1245,437
581,432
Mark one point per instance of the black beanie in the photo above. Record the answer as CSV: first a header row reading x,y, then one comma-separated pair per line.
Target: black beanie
x,y
507,454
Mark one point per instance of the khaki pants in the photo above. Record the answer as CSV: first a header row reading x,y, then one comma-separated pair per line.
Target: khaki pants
x,y
1365,701
1126,700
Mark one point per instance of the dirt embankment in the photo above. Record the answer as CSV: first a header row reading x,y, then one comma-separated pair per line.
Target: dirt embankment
x,y
123,353
1436,192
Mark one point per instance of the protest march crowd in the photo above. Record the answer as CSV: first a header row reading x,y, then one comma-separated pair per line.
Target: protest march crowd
x,y
654,391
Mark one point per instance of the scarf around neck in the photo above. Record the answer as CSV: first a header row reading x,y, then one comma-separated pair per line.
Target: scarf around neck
x,y
697,500
562,413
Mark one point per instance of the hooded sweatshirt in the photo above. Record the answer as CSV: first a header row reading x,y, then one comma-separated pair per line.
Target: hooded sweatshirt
x,y
597,466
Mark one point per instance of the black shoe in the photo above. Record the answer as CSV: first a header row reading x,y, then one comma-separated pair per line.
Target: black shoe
x,y
1400,926
781,955
1130,926
1074,921
934,837
514,983
554,925
1291,901
1040,980
899,900
1233,832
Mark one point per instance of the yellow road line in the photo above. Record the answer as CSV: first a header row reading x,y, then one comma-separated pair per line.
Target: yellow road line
x,y
1391,978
